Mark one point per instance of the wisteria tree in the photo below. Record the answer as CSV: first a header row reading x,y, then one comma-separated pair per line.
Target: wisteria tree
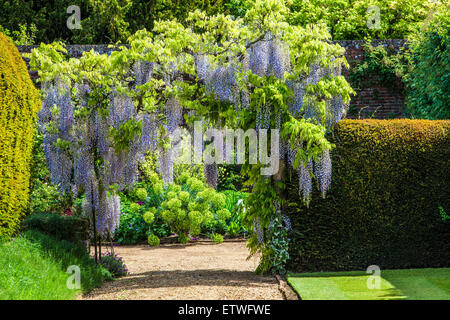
x,y
94,133
102,112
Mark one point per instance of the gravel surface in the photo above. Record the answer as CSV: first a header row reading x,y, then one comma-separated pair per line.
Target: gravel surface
x,y
201,270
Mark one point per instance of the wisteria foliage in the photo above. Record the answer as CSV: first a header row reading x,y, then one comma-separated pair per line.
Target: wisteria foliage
x,y
150,86
270,56
73,144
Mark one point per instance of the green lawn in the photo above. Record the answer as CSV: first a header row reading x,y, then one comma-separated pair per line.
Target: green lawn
x,y
416,284
33,267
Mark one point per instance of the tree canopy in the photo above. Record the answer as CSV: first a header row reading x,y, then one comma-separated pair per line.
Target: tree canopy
x,y
258,71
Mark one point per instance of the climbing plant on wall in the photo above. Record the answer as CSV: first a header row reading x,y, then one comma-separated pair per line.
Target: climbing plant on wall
x,y
257,72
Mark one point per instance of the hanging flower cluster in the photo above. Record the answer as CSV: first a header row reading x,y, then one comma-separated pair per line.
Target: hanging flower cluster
x,y
103,111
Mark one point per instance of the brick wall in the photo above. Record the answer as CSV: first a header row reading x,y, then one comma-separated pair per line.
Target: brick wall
x,y
372,102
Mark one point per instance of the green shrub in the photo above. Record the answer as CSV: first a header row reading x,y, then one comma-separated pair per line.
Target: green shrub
x,y
153,240
68,228
22,37
149,216
230,177
132,227
34,267
114,264
141,194
104,21
139,219
348,19
235,203
428,81
19,103
234,229
186,208
183,238
216,238
389,179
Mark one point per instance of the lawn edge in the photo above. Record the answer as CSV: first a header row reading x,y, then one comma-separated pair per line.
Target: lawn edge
x,y
286,290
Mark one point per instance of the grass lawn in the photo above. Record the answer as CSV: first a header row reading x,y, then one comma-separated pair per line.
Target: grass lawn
x,y
33,267
415,284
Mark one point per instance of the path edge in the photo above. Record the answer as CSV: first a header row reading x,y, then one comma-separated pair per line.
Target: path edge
x,y
285,289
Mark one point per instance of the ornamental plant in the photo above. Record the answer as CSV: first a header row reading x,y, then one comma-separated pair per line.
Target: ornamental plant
x,y
139,219
19,103
187,207
259,72
153,240
216,238
141,194
114,264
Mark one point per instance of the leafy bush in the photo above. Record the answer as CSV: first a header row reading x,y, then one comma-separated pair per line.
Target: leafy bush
x,y
34,267
187,207
235,203
389,178
380,66
114,264
110,21
141,194
24,36
103,21
216,238
153,240
348,20
19,103
68,228
132,227
428,81
234,229
48,17
139,216
277,249
230,178
183,238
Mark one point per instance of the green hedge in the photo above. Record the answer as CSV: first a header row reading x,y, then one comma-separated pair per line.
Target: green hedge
x,y
68,228
19,103
389,178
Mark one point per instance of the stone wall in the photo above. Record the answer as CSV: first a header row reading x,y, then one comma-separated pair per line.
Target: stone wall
x,y
372,102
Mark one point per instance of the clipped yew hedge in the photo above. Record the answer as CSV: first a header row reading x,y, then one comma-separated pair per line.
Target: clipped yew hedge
x,y
389,178
69,228
19,103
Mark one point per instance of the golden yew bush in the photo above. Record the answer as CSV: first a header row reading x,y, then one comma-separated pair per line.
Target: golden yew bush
x,y
19,103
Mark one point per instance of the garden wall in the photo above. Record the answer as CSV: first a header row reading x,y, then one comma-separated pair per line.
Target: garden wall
x,y
374,101
389,178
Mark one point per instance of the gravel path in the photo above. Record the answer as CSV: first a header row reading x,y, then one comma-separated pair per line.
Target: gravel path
x,y
194,271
